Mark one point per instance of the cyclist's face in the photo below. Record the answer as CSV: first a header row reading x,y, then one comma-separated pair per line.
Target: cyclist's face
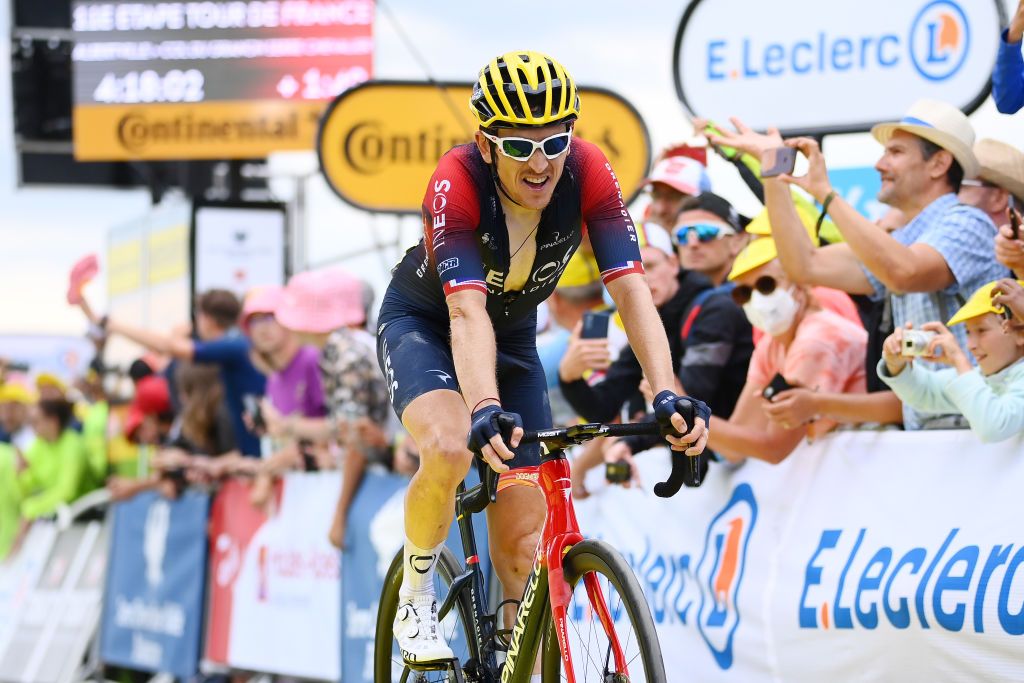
x,y
532,182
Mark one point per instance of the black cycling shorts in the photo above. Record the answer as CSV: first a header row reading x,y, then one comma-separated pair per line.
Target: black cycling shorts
x,y
415,355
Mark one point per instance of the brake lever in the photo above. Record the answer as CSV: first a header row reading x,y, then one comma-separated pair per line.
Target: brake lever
x,y
686,469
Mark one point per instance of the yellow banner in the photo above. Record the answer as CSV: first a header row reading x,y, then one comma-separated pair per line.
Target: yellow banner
x,y
380,141
213,130
125,267
168,254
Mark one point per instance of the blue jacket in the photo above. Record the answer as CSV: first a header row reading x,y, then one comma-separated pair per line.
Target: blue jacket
x,y
1008,77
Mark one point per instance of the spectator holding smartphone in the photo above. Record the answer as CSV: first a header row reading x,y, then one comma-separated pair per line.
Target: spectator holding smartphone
x,y
990,396
926,268
1000,182
806,345
1008,76
1010,243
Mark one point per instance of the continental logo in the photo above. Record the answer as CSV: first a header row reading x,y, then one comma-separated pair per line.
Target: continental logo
x,y
193,131
379,142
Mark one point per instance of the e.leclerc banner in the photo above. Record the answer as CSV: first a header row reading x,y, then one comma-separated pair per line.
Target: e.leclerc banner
x,y
380,141
821,67
153,605
275,579
868,556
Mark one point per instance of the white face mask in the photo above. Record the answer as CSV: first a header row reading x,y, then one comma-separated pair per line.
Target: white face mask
x,y
773,313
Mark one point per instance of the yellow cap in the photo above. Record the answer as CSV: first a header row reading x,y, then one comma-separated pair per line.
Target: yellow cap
x,y
12,392
48,379
581,271
759,252
980,303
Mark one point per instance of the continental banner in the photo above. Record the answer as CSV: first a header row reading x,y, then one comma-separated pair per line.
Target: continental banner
x,y
380,141
869,556
244,129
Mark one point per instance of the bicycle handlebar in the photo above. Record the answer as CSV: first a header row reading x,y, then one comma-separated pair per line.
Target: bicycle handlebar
x,y
477,499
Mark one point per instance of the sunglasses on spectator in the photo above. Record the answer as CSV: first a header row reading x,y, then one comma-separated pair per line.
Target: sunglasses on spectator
x,y
765,284
975,182
522,149
706,232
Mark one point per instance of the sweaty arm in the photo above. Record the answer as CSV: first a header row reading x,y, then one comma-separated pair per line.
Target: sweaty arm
x,y
617,250
473,346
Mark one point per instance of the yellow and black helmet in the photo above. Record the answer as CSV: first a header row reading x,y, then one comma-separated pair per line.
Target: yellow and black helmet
x,y
523,90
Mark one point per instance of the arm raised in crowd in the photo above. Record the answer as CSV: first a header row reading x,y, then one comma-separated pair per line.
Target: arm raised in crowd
x,y
165,344
1008,75
901,268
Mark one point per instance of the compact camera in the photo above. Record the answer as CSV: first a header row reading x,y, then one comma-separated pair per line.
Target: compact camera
x,y
915,342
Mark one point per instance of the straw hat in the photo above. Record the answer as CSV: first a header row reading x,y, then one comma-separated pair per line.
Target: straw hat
x,y
1002,165
937,122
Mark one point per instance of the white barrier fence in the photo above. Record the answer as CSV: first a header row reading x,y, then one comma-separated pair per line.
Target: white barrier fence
x,y
867,556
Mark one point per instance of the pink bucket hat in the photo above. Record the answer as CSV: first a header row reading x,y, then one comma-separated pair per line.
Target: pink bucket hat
x,y
320,301
260,300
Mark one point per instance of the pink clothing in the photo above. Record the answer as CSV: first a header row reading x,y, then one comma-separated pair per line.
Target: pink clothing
x,y
826,355
833,300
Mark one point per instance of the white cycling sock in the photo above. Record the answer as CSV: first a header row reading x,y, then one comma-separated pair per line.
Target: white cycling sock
x,y
418,570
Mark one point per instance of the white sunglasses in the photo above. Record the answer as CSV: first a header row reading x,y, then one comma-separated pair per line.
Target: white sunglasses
x,y
521,149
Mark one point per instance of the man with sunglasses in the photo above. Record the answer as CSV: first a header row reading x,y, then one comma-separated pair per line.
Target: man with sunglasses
x,y
502,217
708,235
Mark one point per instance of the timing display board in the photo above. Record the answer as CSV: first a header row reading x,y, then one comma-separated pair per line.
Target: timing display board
x,y
232,79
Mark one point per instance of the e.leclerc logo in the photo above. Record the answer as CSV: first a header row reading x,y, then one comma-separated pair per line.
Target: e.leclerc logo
x,y
705,593
939,39
953,583
936,44
720,573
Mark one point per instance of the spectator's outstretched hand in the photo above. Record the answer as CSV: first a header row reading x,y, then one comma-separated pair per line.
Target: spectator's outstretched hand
x,y
791,408
1010,251
815,182
945,349
746,139
1010,294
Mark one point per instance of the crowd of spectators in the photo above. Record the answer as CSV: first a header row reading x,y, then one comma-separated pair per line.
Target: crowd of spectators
x,y
796,321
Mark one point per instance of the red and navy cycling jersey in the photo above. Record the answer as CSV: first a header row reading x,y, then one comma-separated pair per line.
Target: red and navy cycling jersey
x,y
465,242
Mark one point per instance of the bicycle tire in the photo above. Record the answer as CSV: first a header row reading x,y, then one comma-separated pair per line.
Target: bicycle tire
x,y
386,659
602,559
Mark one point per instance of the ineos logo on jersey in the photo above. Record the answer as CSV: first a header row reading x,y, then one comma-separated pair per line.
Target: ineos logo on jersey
x,y
447,265
551,268
438,205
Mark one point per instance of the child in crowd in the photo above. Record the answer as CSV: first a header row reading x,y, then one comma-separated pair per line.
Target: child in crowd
x,y
990,396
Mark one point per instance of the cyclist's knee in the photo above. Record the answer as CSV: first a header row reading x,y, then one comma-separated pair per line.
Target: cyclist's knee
x,y
443,455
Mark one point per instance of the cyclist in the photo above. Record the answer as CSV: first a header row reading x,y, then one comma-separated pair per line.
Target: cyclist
x,y
457,326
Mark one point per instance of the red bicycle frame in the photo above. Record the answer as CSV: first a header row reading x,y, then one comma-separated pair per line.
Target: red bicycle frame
x,y
562,531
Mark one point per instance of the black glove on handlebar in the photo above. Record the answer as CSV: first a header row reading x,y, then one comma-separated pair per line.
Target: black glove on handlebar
x,y
488,422
685,469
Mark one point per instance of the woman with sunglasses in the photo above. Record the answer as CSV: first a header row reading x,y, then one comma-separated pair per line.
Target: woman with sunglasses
x,y
502,216
804,346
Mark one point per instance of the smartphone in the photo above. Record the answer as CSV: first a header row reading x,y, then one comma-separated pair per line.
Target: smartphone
x,y
252,408
1014,222
780,160
595,325
617,472
777,386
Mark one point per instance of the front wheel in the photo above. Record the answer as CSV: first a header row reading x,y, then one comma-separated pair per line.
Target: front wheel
x,y
589,648
456,626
